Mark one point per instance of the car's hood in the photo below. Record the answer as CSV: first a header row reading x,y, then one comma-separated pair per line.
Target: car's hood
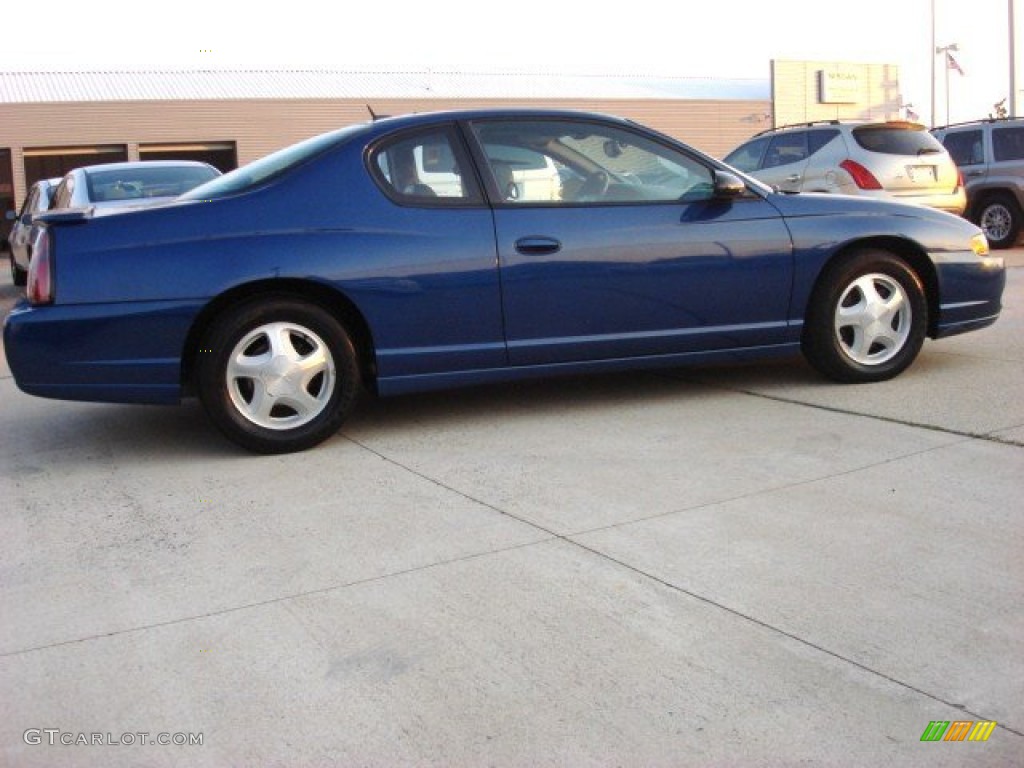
x,y
823,204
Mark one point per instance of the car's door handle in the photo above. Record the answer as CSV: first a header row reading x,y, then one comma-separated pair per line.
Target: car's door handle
x,y
972,174
793,177
537,246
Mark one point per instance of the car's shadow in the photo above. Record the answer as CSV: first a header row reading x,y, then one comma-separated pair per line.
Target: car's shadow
x,y
141,434
559,395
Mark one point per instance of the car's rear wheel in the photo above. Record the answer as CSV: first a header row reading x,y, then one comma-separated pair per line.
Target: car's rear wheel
x,y
277,374
999,217
867,318
18,275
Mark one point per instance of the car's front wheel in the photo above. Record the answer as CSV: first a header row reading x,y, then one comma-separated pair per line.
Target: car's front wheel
x,y
277,375
999,217
867,318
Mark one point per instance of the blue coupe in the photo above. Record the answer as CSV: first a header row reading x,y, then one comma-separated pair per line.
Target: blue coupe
x,y
451,249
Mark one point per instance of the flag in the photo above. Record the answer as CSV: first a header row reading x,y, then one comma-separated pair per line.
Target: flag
x,y
952,63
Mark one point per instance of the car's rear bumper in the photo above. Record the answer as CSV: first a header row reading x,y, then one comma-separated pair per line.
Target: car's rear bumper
x,y
124,353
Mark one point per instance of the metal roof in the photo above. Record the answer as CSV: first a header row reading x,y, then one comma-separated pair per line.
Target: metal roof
x,y
217,85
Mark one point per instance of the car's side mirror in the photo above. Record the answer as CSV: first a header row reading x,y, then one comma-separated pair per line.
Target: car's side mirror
x,y
728,185
26,219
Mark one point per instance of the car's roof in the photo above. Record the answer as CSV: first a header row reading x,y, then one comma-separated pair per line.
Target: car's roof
x,y
426,118
906,125
383,125
981,122
470,114
131,165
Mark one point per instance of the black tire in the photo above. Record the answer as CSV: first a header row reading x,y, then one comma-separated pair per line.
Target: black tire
x,y
867,318
277,374
999,217
18,275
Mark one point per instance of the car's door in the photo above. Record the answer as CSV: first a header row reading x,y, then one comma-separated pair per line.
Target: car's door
x,y
22,226
635,257
967,149
785,161
1008,151
433,298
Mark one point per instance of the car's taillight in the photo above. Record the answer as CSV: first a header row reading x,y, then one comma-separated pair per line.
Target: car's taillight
x,y
39,286
959,179
861,176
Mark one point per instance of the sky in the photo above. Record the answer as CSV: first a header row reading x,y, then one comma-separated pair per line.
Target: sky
x,y
683,38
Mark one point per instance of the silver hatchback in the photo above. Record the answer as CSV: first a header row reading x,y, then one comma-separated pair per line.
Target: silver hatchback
x,y
894,160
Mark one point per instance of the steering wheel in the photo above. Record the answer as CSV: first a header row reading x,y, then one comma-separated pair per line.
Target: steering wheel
x,y
594,187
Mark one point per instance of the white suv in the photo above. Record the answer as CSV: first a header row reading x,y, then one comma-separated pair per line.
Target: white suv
x,y
896,160
990,154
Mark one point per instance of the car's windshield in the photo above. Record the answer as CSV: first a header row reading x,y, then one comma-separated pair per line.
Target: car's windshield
x,y
263,170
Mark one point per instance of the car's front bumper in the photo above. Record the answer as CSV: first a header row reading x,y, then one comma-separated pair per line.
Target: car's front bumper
x,y
971,290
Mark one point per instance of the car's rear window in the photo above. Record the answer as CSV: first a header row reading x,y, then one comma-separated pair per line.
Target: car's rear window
x,y
896,140
137,182
261,171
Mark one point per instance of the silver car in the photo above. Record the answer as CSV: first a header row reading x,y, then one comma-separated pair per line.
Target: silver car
x,y
38,199
990,154
894,160
116,186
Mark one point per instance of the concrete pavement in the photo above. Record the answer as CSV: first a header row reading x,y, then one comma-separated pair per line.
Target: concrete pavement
x,y
727,566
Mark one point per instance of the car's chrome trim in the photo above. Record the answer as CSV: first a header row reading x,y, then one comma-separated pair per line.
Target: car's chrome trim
x,y
606,337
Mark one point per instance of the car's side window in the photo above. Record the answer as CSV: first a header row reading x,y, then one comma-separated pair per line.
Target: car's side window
x,y
62,197
786,148
964,147
29,206
424,168
748,157
1008,143
819,138
563,162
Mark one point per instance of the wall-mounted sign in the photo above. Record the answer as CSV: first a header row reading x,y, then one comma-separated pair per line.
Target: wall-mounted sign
x,y
840,86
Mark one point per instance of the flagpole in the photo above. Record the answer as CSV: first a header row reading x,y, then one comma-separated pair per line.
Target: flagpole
x,y
948,61
935,49
1013,59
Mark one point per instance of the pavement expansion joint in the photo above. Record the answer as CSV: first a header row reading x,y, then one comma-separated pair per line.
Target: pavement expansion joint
x,y
570,540
987,436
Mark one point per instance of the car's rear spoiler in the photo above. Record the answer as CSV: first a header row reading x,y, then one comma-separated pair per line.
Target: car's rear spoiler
x,y
65,215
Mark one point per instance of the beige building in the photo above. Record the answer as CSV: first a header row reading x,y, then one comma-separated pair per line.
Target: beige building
x,y
53,121
804,91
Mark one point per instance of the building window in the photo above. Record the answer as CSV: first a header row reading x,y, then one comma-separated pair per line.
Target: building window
x,y
222,155
6,195
54,162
